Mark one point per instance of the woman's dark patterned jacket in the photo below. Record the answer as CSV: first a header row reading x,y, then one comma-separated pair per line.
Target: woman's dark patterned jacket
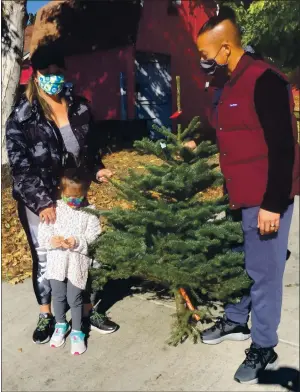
x,y
35,153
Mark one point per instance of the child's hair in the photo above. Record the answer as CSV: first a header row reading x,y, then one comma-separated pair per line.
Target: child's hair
x,y
76,177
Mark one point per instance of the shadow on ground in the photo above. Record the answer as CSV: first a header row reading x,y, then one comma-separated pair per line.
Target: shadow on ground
x,y
288,378
113,292
116,290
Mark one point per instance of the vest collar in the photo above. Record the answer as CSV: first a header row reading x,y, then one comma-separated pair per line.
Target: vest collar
x,y
245,61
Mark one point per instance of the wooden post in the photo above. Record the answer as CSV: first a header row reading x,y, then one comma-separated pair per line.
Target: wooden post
x,y
178,93
178,105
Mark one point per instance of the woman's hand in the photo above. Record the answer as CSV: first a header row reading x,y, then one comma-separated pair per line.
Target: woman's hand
x,y
268,222
48,215
103,175
57,242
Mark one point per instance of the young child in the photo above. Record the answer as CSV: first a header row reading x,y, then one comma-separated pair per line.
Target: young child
x,y
66,242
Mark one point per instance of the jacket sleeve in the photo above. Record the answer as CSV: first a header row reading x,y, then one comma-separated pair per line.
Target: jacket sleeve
x,y
273,109
93,155
45,233
93,230
28,186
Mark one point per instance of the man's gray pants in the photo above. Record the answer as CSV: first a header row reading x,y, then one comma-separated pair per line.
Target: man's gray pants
x,y
265,258
64,294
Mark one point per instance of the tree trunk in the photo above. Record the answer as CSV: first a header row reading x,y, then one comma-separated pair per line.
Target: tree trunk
x,y
13,22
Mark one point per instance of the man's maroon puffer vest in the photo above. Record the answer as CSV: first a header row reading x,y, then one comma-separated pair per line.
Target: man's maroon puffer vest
x,y
242,147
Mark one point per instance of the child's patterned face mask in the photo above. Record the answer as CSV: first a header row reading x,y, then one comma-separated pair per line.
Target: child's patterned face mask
x,y
74,202
51,84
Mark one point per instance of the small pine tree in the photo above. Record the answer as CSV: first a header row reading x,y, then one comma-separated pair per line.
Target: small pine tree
x,y
171,234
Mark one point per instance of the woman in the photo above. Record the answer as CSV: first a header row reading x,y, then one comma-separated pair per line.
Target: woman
x,y
49,129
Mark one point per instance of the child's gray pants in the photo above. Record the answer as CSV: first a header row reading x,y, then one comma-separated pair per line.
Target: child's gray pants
x,y
64,293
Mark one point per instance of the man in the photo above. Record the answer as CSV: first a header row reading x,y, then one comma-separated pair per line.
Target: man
x,y
259,157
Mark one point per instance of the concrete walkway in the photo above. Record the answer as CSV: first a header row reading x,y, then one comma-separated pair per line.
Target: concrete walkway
x,y
136,358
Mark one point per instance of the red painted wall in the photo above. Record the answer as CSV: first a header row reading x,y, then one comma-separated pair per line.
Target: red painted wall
x,y
176,35
96,75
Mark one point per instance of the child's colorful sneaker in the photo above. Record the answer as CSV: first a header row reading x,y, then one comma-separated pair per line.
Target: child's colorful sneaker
x,y
59,336
78,345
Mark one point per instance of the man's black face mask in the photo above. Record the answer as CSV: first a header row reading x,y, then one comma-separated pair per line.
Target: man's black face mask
x,y
218,72
211,66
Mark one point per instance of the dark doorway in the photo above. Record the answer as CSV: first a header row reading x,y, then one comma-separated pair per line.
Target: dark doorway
x,y
153,91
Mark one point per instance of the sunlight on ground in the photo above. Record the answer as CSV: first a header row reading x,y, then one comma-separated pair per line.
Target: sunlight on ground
x,y
16,260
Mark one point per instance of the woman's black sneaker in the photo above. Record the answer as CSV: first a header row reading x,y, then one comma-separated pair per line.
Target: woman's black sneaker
x,y
257,361
44,329
225,329
100,323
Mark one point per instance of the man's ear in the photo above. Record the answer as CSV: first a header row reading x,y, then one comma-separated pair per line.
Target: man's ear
x,y
227,49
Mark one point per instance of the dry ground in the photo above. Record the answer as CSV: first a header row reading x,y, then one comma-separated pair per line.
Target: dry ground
x,y
16,260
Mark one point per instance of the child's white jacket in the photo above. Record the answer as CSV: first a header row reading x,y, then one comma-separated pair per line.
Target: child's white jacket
x,y
70,264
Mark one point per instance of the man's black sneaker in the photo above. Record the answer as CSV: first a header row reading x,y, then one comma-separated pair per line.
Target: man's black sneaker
x,y
100,323
44,329
225,329
257,360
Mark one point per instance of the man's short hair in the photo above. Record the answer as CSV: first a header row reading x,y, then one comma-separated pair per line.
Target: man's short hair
x,y
225,13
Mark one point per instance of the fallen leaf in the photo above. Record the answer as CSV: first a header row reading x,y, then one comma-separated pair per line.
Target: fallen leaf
x,y
16,280
16,258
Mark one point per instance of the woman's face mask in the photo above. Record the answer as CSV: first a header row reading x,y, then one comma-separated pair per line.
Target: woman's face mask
x,y
51,84
210,66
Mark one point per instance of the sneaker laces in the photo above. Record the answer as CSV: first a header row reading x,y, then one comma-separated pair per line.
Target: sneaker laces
x,y
254,356
98,316
219,324
60,329
77,337
43,323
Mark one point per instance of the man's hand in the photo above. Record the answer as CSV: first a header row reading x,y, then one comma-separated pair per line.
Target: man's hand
x,y
48,215
57,242
69,243
103,175
268,222
191,144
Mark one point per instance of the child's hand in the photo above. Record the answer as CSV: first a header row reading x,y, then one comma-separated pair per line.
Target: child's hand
x,y
57,242
69,243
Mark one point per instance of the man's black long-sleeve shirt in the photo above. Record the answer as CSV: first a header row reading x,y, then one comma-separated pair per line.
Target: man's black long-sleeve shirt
x,y
272,104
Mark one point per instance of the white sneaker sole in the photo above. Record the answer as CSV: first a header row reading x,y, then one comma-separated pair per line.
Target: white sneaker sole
x,y
43,342
238,337
270,366
77,353
53,344
101,331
